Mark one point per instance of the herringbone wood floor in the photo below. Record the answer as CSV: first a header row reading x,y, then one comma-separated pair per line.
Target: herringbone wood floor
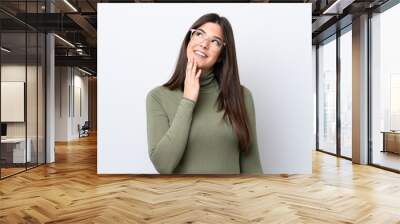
x,y
70,191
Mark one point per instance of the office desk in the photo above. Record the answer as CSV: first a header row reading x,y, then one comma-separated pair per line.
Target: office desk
x,y
391,141
13,150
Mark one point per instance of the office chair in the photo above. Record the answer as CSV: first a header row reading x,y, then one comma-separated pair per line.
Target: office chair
x,y
84,130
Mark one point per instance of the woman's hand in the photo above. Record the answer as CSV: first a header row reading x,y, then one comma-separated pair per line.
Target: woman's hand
x,y
192,83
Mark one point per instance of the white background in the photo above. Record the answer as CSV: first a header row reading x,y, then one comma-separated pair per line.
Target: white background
x,y
138,45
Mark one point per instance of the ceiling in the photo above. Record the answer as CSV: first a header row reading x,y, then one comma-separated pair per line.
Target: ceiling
x,y
76,22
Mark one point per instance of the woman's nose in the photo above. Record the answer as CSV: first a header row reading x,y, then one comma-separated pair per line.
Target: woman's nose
x,y
204,43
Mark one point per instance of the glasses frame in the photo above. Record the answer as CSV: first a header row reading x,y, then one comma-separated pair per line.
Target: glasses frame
x,y
193,30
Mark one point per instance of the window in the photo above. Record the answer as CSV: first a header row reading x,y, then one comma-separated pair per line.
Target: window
x,y
385,88
346,93
327,96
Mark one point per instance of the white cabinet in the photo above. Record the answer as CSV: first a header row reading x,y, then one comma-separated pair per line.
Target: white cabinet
x,y
18,149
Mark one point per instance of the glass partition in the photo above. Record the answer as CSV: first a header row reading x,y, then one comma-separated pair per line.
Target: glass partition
x,y
327,96
385,89
346,94
41,109
32,95
13,109
22,67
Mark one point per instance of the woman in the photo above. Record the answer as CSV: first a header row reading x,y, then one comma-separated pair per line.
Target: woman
x,y
202,121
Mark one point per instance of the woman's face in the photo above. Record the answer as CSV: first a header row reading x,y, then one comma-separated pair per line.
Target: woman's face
x,y
205,45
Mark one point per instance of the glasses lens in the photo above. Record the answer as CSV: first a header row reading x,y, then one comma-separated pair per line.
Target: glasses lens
x,y
199,36
216,43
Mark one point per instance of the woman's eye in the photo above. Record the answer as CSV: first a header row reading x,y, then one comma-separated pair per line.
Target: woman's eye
x,y
217,42
199,34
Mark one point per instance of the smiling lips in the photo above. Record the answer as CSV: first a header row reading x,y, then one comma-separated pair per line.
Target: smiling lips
x,y
200,53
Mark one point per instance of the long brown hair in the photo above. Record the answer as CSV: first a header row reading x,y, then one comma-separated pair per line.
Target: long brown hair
x,y
230,98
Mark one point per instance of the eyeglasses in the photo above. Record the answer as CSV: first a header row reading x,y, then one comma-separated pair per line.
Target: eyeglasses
x,y
199,36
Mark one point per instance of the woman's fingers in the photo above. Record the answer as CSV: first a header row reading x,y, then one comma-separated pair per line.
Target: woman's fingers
x,y
191,88
198,74
189,65
194,68
191,69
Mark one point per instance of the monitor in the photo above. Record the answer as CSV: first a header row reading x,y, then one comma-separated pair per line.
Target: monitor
x,y
3,129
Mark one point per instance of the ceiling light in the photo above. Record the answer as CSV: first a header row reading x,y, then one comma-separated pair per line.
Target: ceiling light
x,y
5,50
84,71
65,41
70,5
338,6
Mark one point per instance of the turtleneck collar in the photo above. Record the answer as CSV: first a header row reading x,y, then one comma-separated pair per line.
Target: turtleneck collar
x,y
207,81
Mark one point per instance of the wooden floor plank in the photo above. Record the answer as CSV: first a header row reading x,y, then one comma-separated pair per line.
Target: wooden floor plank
x,y
70,191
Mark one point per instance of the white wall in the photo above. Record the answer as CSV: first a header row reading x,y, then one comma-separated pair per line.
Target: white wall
x,y
33,126
61,103
68,81
80,84
314,86
18,73
274,57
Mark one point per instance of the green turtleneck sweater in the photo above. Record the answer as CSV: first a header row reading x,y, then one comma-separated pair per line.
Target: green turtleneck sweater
x,y
187,137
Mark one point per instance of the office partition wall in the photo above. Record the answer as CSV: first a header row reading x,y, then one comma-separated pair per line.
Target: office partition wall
x,y
22,77
327,95
13,74
334,80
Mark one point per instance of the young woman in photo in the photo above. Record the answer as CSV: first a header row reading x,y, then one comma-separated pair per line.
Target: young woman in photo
x,y
202,121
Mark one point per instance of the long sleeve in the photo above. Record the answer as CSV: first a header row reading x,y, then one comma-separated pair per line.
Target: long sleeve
x,y
250,162
167,142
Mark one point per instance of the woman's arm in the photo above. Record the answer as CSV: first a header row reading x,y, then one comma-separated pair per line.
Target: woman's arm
x,y
167,143
250,162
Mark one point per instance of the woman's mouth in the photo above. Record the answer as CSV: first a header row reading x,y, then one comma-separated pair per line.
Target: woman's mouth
x,y
200,54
